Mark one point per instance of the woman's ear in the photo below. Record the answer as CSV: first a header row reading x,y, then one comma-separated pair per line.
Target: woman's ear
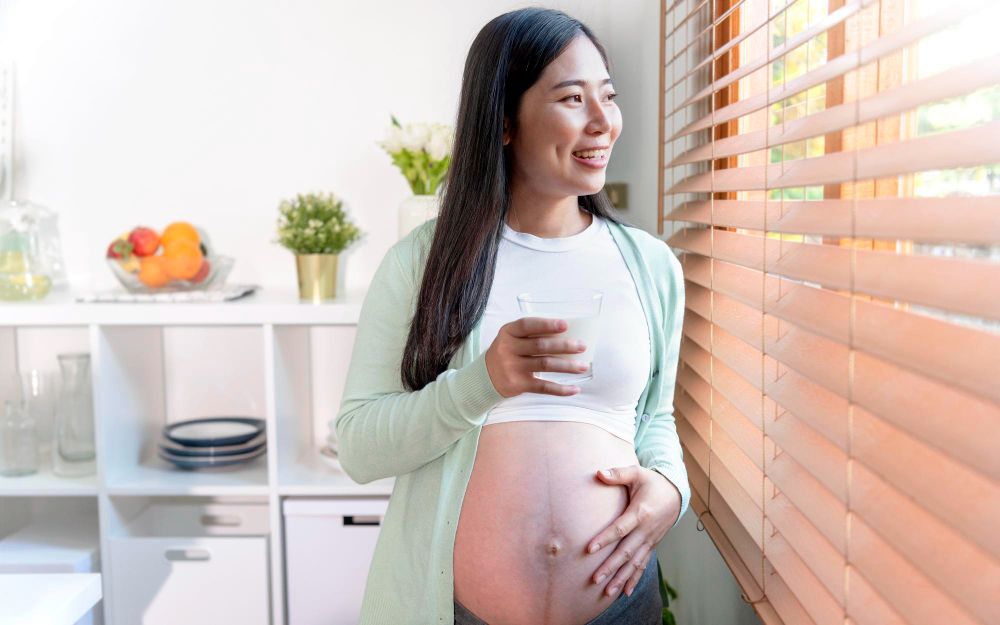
x,y
506,131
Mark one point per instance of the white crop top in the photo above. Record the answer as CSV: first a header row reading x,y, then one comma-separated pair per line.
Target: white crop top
x,y
588,259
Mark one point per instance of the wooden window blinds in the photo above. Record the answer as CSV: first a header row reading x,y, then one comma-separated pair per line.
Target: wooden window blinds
x,y
830,177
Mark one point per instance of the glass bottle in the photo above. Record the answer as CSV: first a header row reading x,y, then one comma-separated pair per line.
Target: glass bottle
x,y
73,448
18,441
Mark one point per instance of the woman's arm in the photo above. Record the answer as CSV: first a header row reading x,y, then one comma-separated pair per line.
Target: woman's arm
x,y
384,430
660,448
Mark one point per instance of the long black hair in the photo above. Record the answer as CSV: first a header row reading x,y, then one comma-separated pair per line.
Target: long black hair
x,y
505,60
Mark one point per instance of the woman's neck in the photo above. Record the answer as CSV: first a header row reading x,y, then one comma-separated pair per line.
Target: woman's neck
x,y
548,218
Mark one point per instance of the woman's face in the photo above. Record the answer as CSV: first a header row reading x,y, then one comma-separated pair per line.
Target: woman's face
x,y
566,113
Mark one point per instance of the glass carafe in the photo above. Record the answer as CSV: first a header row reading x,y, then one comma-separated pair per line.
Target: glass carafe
x,y
73,448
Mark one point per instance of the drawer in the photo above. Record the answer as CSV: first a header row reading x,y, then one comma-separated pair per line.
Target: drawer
x,y
328,550
194,518
195,581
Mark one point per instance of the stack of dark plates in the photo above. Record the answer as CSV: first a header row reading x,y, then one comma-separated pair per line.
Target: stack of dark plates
x,y
212,442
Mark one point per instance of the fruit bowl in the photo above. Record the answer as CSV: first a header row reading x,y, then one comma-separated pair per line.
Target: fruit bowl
x,y
218,269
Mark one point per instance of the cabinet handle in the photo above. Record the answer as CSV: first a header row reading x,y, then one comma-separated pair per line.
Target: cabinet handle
x,y
187,555
362,519
221,520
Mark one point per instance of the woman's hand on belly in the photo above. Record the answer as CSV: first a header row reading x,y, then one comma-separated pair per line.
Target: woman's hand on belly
x,y
654,504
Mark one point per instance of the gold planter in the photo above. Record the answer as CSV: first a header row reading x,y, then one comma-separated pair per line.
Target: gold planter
x,y
317,276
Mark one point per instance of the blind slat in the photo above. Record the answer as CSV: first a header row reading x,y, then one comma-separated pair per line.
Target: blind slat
x,y
952,83
970,220
838,66
961,286
915,597
948,150
952,562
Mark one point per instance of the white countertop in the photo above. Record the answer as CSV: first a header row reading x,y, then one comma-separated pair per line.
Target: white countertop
x,y
275,305
49,598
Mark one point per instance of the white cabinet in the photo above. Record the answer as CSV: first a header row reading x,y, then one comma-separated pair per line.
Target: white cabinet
x,y
268,356
196,581
328,549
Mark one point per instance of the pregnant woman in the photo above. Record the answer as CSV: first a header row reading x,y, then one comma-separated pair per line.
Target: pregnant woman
x,y
501,512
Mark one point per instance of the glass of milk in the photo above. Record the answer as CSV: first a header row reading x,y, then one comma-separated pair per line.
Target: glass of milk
x,y
581,308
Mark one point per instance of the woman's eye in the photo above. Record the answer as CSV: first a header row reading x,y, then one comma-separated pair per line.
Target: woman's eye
x,y
610,96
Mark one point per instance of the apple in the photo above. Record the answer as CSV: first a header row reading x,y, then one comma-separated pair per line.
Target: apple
x,y
120,248
144,241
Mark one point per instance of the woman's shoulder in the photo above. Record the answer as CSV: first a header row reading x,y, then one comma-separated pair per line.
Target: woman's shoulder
x,y
411,251
653,248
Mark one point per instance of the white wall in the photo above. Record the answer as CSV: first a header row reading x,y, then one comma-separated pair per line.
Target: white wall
x,y
146,112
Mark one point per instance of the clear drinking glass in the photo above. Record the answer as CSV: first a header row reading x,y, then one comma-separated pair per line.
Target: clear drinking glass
x,y
581,308
38,392
18,440
73,451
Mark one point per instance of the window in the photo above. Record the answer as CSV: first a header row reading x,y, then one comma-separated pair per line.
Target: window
x,y
831,181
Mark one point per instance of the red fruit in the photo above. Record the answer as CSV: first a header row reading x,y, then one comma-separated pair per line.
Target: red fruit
x,y
120,248
202,273
144,241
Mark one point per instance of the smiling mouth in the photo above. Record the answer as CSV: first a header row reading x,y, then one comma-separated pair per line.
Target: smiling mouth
x,y
591,154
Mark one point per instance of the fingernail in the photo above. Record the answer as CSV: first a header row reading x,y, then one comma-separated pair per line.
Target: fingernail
x,y
628,593
594,548
600,578
576,389
605,473
613,591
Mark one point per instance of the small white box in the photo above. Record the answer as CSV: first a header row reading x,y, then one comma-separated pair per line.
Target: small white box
x,y
51,546
328,550
54,545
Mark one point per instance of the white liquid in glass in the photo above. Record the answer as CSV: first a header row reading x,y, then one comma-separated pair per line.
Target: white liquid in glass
x,y
581,328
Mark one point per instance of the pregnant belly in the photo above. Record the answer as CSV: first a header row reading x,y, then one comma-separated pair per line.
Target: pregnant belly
x,y
532,506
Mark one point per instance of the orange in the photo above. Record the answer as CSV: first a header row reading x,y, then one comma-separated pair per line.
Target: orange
x,y
182,259
179,231
153,271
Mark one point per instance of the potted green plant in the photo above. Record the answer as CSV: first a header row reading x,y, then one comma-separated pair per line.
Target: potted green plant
x,y
315,228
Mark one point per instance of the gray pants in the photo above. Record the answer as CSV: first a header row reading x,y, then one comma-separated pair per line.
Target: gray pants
x,y
644,607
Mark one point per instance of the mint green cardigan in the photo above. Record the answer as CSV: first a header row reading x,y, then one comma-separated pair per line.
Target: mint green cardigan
x,y
428,438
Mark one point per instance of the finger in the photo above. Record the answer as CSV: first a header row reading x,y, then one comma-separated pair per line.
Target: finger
x,y
621,565
532,326
634,580
536,346
624,551
619,528
556,363
620,475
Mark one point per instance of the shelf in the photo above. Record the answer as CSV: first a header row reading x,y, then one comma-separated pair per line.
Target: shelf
x,y
46,484
309,475
266,305
159,477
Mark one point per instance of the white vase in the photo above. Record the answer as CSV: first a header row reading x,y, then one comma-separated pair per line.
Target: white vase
x,y
415,210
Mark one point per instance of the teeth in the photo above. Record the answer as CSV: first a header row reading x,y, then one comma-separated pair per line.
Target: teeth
x,y
590,153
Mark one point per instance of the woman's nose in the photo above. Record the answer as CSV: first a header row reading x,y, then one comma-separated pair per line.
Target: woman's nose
x,y
600,120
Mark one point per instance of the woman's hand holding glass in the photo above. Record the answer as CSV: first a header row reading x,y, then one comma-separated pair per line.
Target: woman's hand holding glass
x,y
527,345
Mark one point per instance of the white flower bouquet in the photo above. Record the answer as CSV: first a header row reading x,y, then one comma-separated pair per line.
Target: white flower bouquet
x,y
422,152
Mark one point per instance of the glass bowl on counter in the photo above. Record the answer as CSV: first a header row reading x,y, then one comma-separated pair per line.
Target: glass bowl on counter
x,y
218,269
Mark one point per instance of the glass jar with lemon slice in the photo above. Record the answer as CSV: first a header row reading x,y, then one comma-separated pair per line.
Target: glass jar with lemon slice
x,y
23,275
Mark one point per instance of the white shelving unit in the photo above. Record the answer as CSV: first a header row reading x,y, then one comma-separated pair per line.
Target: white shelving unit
x,y
267,355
